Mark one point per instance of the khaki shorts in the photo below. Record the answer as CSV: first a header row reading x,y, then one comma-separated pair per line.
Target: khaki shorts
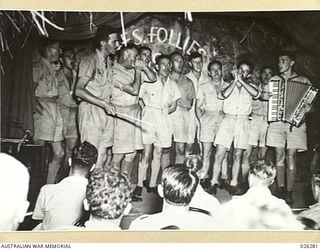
x,y
95,126
127,133
233,129
184,126
280,136
69,117
48,126
258,131
160,131
209,124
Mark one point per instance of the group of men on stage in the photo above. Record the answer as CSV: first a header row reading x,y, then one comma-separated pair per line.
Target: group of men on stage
x,y
128,104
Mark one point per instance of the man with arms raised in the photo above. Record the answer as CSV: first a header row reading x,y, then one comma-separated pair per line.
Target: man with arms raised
x,y
126,84
234,128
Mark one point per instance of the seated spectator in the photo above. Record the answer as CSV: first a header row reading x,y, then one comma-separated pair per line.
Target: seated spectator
x,y
178,185
14,185
258,209
61,205
201,199
108,198
313,213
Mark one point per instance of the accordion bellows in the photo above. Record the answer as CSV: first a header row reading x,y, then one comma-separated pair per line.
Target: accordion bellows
x,y
289,99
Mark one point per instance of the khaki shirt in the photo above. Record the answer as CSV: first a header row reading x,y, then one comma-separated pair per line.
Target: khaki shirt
x,y
66,89
99,74
207,96
159,96
121,77
44,76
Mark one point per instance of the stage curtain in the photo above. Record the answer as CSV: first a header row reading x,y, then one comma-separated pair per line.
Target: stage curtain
x,y
17,94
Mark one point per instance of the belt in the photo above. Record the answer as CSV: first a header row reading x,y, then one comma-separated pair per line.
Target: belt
x,y
183,108
237,116
52,99
264,117
127,108
213,112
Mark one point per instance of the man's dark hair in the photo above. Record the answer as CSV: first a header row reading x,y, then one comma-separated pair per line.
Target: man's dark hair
x,y
127,47
214,62
160,57
84,156
142,48
44,44
266,67
264,170
103,33
194,163
108,193
175,53
245,62
179,185
289,53
194,55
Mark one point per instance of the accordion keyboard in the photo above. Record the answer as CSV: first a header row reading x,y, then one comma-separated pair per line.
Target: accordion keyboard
x,y
275,105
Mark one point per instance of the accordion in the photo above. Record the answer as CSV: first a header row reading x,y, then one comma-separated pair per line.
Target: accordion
x,y
289,99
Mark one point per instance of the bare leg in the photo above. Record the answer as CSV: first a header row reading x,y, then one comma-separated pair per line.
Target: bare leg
x,y
70,143
237,155
245,163
144,164
291,167
165,159
109,156
54,165
189,149
155,165
207,150
224,169
262,153
180,152
116,160
280,164
127,164
218,158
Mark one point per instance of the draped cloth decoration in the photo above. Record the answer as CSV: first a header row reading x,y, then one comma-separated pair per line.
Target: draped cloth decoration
x,y
77,27
17,92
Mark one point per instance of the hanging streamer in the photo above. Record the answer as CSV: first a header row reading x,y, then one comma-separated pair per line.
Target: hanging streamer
x,y
123,30
188,16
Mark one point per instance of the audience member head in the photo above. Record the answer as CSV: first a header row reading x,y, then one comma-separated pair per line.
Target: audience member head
x,y
14,185
195,60
107,39
108,194
50,49
194,164
84,157
128,55
256,216
262,173
177,62
178,185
